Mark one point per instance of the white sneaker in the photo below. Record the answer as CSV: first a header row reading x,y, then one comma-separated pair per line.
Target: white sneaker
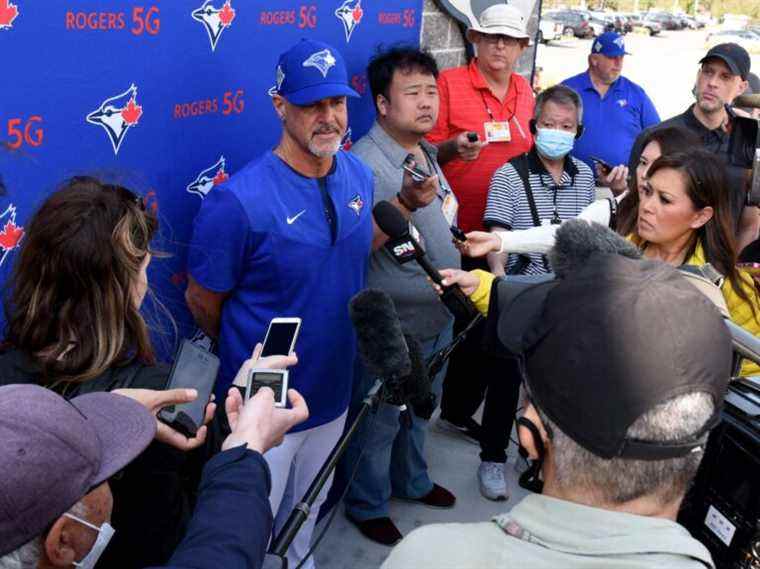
x,y
492,483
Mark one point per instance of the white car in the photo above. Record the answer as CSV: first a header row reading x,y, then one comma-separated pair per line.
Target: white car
x,y
549,30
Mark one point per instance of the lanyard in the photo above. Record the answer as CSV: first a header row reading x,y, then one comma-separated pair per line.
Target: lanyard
x,y
512,118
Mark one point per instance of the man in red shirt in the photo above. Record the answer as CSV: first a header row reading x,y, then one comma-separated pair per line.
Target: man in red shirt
x,y
489,99
485,97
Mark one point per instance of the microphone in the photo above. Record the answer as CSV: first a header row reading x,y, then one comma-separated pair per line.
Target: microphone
x,y
380,338
387,352
404,248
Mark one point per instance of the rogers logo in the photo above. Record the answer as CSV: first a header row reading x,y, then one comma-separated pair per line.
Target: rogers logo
x,y
350,14
215,20
8,13
117,115
11,234
208,178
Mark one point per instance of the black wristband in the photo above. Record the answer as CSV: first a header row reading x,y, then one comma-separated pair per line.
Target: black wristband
x,y
403,203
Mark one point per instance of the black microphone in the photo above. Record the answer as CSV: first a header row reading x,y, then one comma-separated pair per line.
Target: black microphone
x,y
404,248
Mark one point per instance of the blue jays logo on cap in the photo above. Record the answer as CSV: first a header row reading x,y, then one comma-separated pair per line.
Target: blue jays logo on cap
x,y
322,60
311,71
610,44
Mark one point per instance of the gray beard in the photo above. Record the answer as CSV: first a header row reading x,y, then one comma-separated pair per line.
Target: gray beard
x,y
324,153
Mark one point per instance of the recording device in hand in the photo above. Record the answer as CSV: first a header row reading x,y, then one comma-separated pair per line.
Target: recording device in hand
x,y
604,166
281,336
275,379
410,166
472,137
405,248
458,234
194,368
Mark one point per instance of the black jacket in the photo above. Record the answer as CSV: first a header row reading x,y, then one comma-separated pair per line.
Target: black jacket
x,y
154,495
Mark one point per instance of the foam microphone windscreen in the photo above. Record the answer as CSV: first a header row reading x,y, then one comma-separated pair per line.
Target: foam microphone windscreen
x,y
389,220
576,240
381,341
748,101
419,383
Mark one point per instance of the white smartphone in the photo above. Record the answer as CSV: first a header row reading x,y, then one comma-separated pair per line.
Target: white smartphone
x,y
281,336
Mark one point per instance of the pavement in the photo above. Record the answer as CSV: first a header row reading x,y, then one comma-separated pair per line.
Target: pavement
x,y
453,463
665,65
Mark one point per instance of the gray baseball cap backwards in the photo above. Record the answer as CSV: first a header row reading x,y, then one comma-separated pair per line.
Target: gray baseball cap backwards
x,y
733,55
55,451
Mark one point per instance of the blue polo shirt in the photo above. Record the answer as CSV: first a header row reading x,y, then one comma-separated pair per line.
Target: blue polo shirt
x,y
611,123
264,238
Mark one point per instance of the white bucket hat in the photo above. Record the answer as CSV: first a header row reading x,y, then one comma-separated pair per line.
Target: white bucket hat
x,y
501,19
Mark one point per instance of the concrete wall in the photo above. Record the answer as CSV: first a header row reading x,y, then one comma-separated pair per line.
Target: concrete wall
x,y
442,36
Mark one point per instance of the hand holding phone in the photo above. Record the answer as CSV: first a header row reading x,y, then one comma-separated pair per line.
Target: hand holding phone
x,y
603,166
410,166
458,234
274,379
281,337
472,136
193,368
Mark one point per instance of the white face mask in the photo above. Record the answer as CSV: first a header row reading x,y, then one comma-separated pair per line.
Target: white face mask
x,y
105,533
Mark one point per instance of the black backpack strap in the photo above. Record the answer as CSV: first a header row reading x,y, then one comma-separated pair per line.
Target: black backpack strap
x,y
520,164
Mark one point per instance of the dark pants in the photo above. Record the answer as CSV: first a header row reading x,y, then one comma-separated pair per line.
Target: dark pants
x,y
474,374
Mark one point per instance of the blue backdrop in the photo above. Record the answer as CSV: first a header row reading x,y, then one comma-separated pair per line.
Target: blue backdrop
x,y
166,98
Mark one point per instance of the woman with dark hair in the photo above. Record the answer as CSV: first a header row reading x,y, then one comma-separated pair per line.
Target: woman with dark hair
x,y
618,213
683,218
74,325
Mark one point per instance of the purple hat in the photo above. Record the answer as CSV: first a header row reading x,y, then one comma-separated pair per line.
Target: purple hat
x,y
55,451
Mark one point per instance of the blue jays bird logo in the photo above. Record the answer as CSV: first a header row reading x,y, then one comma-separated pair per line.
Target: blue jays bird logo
x,y
116,115
356,204
208,178
350,14
322,60
215,20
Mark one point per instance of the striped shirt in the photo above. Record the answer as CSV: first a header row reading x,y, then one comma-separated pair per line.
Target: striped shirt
x,y
508,205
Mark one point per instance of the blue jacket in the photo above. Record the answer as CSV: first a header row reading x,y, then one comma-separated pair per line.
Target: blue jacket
x,y
232,521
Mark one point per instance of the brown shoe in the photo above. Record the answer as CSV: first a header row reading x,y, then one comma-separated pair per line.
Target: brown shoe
x,y
379,530
438,497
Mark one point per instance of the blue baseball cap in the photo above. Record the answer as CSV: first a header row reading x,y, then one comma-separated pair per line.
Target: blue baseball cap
x,y
610,44
311,71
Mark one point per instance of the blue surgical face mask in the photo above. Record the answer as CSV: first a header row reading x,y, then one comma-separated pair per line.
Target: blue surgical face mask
x,y
105,533
554,144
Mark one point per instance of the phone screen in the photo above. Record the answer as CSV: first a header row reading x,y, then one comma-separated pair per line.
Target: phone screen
x,y
196,368
279,339
272,380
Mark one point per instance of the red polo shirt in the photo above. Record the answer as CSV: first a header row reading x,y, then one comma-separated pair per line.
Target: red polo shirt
x,y
466,99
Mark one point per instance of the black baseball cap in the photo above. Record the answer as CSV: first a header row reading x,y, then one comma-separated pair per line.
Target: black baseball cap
x,y
616,338
733,55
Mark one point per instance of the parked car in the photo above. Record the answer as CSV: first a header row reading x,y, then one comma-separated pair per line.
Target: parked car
x,y
748,39
667,21
600,25
549,29
651,26
573,23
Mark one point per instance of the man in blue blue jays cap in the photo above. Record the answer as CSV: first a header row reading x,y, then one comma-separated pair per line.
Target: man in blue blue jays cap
x,y
615,111
290,235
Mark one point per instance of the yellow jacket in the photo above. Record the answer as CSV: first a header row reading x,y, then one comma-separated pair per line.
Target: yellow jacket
x,y
740,310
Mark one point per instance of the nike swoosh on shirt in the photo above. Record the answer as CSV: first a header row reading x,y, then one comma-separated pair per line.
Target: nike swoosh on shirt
x,y
290,220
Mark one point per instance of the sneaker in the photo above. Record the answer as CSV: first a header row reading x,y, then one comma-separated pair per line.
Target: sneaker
x,y
492,483
469,430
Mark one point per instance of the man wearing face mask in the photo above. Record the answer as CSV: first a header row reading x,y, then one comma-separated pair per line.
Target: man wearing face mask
x,y
57,456
544,186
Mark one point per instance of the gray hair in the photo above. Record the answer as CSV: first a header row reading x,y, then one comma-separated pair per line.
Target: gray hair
x,y
620,480
28,555
559,95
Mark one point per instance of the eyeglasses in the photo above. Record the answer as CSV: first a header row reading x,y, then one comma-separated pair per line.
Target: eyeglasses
x,y
495,39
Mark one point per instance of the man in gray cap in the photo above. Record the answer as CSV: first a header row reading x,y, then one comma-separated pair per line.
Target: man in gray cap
x,y
57,455
617,418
